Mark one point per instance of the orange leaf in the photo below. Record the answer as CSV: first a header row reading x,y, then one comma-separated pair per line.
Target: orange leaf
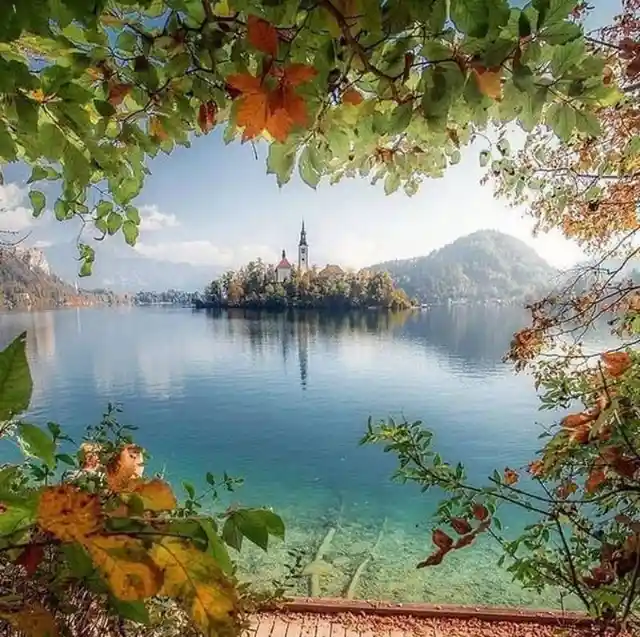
x,y
296,74
465,540
125,468
353,97
156,495
262,35
480,512
279,125
510,476
616,363
156,129
295,106
69,513
117,93
595,479
460,526
536,468
489,82
30,558
442,540
245,83
252,114
32,621
126,565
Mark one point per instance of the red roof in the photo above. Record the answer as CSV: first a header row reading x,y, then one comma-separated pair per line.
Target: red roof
x,y
283,264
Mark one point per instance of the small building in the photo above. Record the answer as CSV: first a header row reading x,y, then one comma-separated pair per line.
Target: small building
x,y
331,270
283,269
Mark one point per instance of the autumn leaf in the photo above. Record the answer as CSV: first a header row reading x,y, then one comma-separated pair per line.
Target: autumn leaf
x,y
195,579
353,97
480,512
156,495
489,82
596,478
566,489
465,540
207,116
296,74
536,468
117,93
126,565
262,35
125,468
69,513
510,476
30,558
460,526
442,540
156,129
32,621
616,363
433,560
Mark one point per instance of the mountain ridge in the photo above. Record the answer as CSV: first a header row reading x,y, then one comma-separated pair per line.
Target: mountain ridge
x,y
486,265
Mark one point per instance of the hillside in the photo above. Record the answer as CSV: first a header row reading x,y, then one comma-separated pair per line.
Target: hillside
x,y
26,281
484,266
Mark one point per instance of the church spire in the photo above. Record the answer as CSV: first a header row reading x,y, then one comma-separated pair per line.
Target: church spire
x,y
303,236
303,251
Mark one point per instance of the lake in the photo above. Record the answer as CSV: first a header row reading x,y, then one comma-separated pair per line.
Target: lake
x,y
282,401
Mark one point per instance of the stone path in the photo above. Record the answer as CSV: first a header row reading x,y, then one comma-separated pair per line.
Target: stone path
x,y
350,625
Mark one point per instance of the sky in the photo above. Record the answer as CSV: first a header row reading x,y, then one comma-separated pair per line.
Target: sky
x,y
214,205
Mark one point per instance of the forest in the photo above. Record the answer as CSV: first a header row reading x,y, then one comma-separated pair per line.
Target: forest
x,y
255,286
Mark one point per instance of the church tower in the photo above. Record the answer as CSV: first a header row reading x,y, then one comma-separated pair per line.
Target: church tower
x,y
303,251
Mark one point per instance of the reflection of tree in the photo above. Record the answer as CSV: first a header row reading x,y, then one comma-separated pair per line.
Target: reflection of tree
x,y
471,332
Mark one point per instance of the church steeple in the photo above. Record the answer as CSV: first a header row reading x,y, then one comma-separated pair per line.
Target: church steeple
x,y
303,251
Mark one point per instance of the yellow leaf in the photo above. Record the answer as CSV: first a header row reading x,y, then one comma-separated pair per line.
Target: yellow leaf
x,y
126,565
127,466
156,495
33,621
222,9
489,82
195,579
69,513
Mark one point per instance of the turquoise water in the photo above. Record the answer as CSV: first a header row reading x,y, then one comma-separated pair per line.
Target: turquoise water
x,y
283,400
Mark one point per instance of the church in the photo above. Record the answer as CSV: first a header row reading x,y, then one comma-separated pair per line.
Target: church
x,y
284,268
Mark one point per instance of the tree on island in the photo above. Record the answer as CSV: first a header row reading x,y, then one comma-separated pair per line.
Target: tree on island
x,y
337,88
256,286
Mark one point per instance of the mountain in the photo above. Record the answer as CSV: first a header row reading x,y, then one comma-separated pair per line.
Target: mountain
x,y
125,271
484,266
26,281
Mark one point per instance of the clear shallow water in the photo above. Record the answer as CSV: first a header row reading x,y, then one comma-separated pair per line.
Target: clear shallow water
x,y
283,400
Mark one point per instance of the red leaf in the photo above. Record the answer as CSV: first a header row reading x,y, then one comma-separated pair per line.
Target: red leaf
x,y
465,540
245,83
432,560
117,93
207,116
262,35
30,558
353,97
480,512
510,476
460,526
595,479
442,540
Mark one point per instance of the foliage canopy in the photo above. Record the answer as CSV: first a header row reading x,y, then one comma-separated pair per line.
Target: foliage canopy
x,y
339,88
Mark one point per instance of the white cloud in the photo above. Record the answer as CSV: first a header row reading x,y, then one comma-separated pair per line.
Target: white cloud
x,y
152,219
42,244
204,253
14,216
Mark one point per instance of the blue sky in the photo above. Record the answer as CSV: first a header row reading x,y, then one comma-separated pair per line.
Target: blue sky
x,y
215,205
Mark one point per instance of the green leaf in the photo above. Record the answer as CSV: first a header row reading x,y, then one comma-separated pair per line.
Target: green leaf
x,y
400,118
127,41
114,222
504,147
567,56
77,560
562,119
587,122
524,25
307,170
133,611
130,231
20,512
280,162
104,108
38,173
132,214
15,379
61,209
103,209
391,183
38,202
257,525
485,156
216,547
7,145
37,443
561,33
231,534
188,487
